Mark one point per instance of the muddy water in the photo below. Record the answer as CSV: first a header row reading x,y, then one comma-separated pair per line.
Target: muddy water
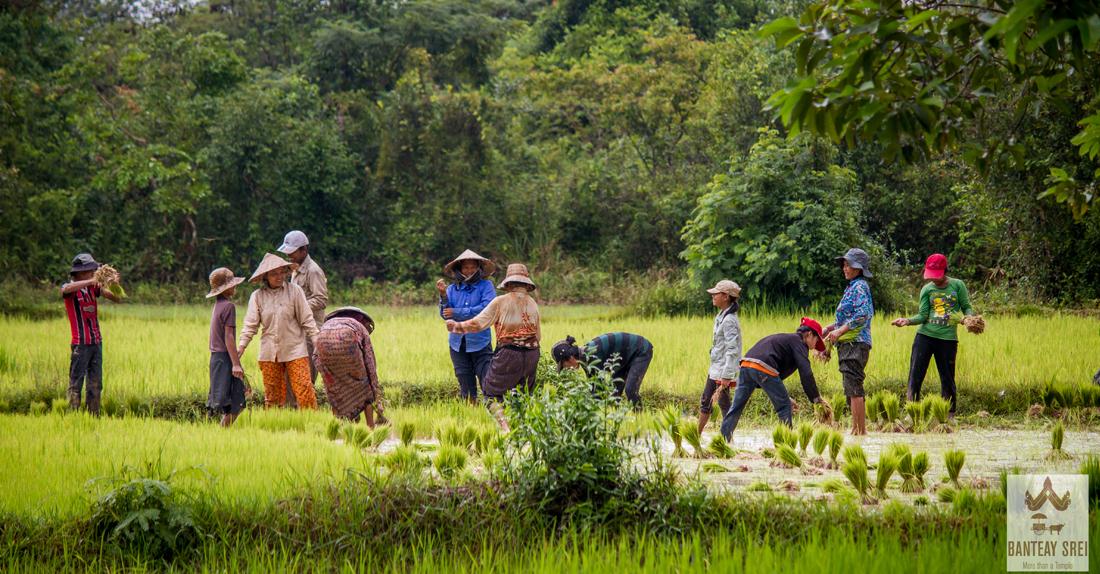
x,y
988,451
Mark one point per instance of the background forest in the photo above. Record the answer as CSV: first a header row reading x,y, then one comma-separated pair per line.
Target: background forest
x,y
604,142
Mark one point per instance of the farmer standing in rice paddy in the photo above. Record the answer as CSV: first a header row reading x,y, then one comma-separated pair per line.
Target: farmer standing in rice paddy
x,y
767,363
311,278
515,317
469,294
851,333
280,307
629,353
226,396
344,356
725,350
80,294
944,301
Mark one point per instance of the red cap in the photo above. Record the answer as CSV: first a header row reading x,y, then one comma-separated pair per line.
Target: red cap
x,y
936,266
816,328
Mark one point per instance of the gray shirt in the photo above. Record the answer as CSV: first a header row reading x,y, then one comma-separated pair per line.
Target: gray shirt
x,y
725,353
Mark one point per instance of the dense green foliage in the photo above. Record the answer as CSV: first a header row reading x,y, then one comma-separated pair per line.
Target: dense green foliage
x,y
171,137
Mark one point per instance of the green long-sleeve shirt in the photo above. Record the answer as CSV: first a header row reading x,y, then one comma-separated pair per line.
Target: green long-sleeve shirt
x,y
940,309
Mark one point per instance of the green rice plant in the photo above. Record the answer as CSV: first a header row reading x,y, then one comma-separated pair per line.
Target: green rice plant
x,y
720,448
891,411
332,430
357,436
821,441
379,436
713,468
898,449
946,494
59,406
469,436
854,453
5,406
406,431
873,405
836,440
840,404
921,500
38,408
964,502
805,433
940,409
887,464
954,460
782,434
450,460
404,461
916,416
1091,467
787,456
689,429
920,468
833,485
856,472
669,422
1056,436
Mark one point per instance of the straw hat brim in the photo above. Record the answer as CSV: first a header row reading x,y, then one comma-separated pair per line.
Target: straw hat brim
x,y
219,290
270,263
487,266
353,312
517,279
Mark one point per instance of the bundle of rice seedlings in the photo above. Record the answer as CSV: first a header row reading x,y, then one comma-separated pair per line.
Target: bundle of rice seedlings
x,y
823,413
805,433
836,440
873,405
759,486
974,324
720,448
821,442
887,464
669,422
407,431
59,406
689,429
920,468
469,436
38,408
486,440
1056,436
450,460
1091,467
891,412
832,485
786,456
379,436
714,467
946,494
940,409
332,431
404,460
356,436
916,416
839,403
909,481
109,277
856,473
965,501
954,460
782,434
854,453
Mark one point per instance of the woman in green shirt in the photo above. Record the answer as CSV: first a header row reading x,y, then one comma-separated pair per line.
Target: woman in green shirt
x,y
943,303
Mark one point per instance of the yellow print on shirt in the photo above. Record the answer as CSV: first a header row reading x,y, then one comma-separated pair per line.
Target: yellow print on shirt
x,y
942,306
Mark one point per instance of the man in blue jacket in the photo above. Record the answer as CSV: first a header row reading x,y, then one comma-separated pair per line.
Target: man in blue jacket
x,y
462,300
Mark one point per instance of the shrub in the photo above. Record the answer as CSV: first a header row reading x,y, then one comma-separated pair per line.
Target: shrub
x,y
146,515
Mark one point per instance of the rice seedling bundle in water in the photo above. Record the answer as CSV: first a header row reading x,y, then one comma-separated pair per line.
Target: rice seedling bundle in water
x,y
450,460
805,434
669,422
821,441
689,429
782,434
787,456
714,467
854,453
404,460
909,482
946,494
954,460
836,440
940,409
920,468
407,431
873,406
887,464
720,448
379,436
832,485
891,412
1057,435
916,416
856,473
332,430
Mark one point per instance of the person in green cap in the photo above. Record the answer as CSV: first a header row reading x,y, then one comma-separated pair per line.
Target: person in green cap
x,y
944,301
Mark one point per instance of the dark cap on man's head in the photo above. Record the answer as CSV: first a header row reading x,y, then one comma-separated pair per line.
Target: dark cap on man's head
x,y
83,262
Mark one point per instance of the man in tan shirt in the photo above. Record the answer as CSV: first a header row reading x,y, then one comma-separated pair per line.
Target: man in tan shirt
x,y
311,278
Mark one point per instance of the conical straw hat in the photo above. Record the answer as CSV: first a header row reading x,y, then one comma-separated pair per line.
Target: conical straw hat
x,y
487,266
271,262
517,273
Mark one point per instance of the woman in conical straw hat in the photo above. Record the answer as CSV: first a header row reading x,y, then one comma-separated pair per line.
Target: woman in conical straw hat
x,y
469,294
280,308
515,317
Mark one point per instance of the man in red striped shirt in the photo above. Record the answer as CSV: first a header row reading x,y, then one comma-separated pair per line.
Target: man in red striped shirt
x,y
86,362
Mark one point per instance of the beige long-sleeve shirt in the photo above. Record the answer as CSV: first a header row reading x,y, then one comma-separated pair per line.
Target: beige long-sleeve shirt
x,y
514,316
311,278
286,319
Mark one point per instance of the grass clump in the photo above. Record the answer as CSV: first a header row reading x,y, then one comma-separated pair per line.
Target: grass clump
x,y
406,431
786,456
954,460
1057,435
332,430
719,448
450,460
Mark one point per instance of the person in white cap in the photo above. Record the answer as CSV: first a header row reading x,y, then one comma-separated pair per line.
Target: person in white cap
x,y
725,351
311,278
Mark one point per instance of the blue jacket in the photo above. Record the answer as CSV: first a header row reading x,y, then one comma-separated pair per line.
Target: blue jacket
x,y
467,301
